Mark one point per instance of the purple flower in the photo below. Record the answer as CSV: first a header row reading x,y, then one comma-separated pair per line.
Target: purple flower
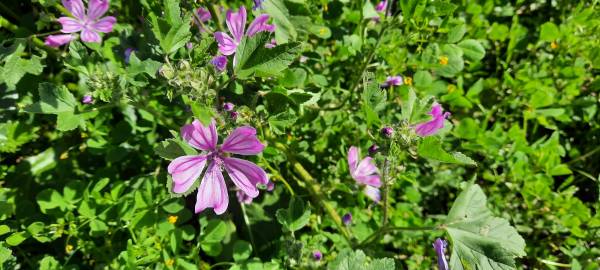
x,y
317,255
270,186
87,99
364,172
373,193
219,62
234,115
436,123
393,81
257,4
347,219
58,40
189,46
381,6
236,23
212,192
373,149
228,106
439,246
90,23
202,15
127,54
271,44
243,198
387,131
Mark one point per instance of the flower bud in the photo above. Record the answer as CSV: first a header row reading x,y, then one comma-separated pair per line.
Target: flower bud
x,y
347,219
373,149
387,132
228,106
317,255
87,99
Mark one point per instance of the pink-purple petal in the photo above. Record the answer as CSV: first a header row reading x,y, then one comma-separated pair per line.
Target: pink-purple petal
x,y
370,180
105,24
185,170
353,157
76,8
373,193
90,36
259,25
70,25
245,175
212,192
199,136
236,22
97,8
243,141
435,124
58,40
255,174
227,45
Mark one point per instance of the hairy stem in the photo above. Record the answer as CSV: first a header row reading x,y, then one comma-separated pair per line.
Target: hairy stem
x,y
315,191
247,222
384,176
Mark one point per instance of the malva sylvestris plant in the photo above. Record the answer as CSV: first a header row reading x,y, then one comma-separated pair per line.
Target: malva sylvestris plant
x,y
315,84
212,192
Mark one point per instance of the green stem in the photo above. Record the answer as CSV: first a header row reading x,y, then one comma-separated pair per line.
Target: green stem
x,y
278,176
315,191
4,23
216,16
247,222
384,176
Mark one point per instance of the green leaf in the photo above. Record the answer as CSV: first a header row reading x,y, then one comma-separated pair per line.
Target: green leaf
x,y
472,49
172,149
295,216
431,148
172,32
254,59
17,238
212,236
53,100
136,66
456,33
285,30
68,121
455,61
15,67
357,260
480,240
281,121
15,134
241,250
373,100
549,32
369,11
412,8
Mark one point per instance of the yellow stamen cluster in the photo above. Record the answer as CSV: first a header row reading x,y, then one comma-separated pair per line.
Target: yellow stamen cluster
x,y
172,219
408,80
554,45
69,248
64,155
443,60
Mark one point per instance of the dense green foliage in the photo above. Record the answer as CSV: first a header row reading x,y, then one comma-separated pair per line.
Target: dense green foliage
x,y
512,180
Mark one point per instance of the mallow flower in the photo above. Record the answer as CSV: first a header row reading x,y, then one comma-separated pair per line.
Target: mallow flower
x,y
393,81
364,172
56,41
236,23
435,124
212,193
202,15
88,23
439,246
